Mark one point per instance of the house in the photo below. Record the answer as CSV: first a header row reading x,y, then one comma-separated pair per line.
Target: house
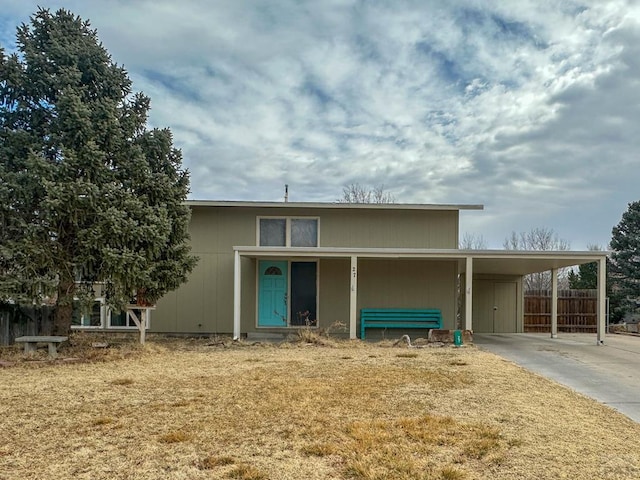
x,y
268,268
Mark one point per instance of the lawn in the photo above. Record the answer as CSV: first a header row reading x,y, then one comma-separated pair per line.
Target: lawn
x,y
196,409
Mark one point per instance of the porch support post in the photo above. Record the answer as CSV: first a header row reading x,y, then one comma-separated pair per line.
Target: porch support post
x,y
237,271
602,294
353,298
468,297
144,321
554,303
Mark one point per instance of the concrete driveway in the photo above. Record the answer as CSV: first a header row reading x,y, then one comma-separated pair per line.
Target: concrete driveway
x,y
609,373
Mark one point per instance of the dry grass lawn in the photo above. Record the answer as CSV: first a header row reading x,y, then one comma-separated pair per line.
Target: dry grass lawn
x,y
188,410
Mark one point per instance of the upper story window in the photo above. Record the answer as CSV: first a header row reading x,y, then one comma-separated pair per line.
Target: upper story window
x,y
288,232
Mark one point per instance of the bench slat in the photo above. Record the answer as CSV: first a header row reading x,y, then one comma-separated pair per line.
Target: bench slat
x,y
41,338
399,312
425,318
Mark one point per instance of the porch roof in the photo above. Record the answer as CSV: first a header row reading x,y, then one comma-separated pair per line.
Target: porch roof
x,y
505,262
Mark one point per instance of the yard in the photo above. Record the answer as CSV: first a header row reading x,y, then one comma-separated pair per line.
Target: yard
x,y
197,409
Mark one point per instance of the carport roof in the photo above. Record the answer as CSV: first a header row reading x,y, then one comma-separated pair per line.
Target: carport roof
x,y
504,262
525,262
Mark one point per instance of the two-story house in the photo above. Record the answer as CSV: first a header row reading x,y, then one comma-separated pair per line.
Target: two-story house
x,y
269,268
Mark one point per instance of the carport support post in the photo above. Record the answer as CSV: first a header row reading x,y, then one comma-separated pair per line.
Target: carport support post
x,y
554,303
602,301
468,297
236,295
353,298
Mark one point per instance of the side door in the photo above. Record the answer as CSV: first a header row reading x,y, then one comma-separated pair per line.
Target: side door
x,y
483,306
494,306
505,310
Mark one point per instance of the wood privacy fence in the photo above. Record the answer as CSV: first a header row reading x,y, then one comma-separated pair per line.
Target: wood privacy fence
x,y
16,320
577,311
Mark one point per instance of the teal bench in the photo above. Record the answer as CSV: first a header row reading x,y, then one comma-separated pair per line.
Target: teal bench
x,y
399,318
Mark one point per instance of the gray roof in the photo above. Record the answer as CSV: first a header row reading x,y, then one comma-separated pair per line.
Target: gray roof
x,y
337,205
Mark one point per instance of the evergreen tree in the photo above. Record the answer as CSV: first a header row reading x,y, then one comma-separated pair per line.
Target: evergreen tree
x,y
88,195
587,275
625,258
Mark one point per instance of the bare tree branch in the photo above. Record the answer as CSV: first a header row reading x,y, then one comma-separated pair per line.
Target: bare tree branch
x,y
356,193
539,239
471,241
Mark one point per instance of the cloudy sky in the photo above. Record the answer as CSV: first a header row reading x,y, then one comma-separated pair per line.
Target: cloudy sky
x,y
529,107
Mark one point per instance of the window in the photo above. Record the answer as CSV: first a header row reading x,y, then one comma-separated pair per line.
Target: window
x,y
90,317
288,232
273,232
99,315
124,320
304,232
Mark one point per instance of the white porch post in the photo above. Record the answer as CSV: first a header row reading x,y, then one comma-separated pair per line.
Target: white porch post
x,y
602,294
353,298
237,271
468,297
554,303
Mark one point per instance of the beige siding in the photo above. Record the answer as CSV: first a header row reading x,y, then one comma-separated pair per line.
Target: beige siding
x,y
191,301
388,228
409,284
249,297
334,291
219,229
205,303
165,317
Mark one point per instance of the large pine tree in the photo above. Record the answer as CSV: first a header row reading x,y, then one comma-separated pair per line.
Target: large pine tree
x,y
88,195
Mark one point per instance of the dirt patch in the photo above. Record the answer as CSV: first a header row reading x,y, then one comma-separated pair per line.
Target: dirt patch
x,y
200,409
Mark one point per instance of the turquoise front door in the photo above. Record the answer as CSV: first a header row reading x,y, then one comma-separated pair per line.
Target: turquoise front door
x,y
272,293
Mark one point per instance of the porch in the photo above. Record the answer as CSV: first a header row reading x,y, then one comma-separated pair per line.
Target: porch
x,y
467,265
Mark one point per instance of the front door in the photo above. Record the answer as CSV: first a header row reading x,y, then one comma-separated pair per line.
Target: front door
x,y
272,293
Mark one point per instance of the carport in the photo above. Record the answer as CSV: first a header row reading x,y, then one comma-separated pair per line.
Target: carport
x,y
509,264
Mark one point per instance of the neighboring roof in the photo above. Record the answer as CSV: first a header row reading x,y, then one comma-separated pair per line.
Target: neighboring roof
x,y
510,262
337,205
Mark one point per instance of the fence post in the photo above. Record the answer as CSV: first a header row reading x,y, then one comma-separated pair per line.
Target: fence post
x,y
4,328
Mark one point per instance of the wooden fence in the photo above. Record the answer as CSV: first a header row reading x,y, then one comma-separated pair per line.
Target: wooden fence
x,y
577,311
16,321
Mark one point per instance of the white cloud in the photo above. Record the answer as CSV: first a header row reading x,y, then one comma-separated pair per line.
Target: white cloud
x,y
530,107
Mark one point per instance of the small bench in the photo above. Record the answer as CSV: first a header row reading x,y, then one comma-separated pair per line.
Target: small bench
x,y
31,343
425,318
